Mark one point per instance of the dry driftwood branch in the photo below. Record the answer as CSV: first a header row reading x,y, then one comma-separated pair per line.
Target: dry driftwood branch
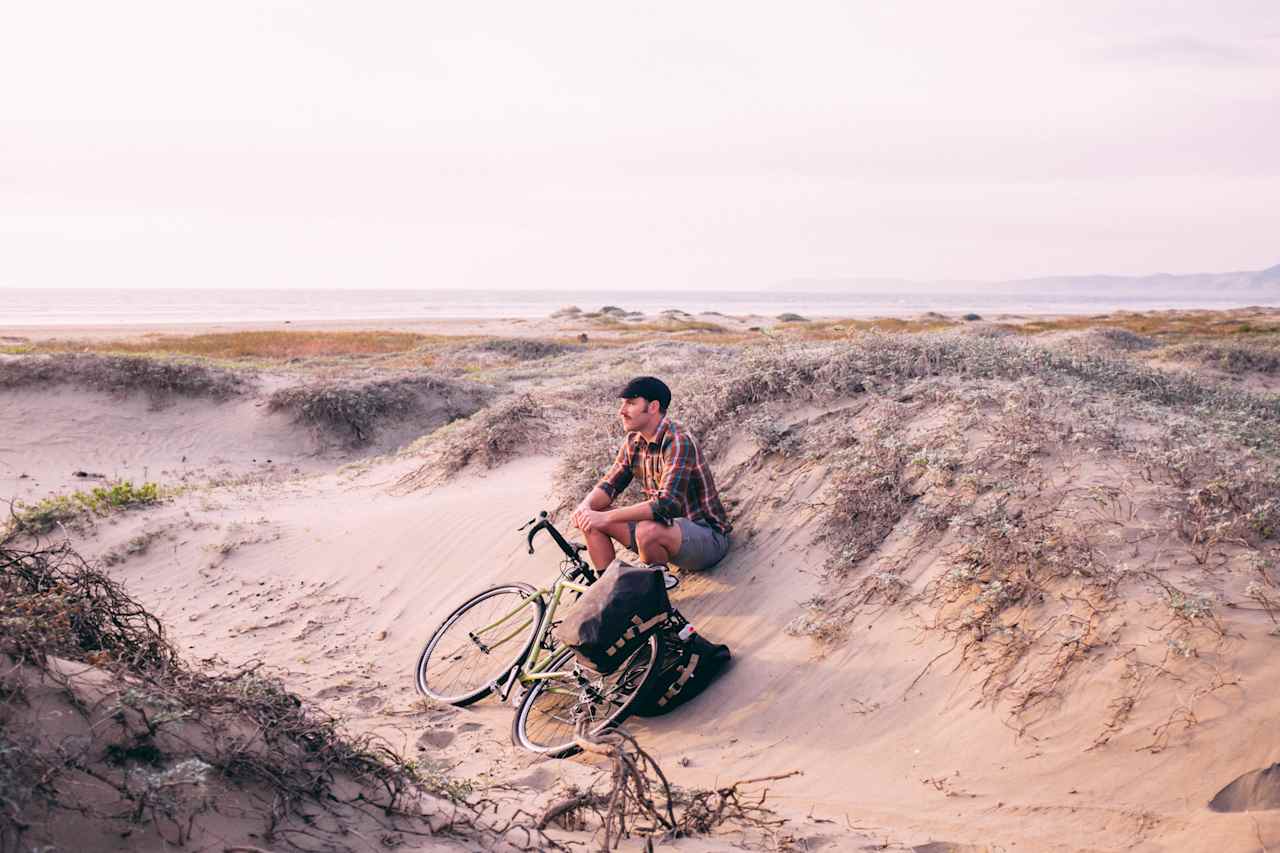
x,y
634,797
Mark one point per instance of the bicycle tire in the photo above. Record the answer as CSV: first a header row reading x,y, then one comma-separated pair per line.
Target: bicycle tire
x,y
476,667
640,670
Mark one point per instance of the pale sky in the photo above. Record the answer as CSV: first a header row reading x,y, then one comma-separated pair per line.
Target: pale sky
x,y
607,145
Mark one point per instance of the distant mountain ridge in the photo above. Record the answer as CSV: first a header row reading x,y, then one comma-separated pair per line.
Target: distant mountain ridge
x,y
1264,282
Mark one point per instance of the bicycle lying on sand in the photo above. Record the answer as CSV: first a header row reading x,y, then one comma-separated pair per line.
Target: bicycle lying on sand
x,y
501,640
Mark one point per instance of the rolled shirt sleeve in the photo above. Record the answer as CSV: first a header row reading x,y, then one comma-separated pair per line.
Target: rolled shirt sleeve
x,y
678,457
618,477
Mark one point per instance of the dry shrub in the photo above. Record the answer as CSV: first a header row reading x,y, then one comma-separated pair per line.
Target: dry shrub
x,y
587,454
55,604
1123,339
1222,496
731,387
1231,357
524,349
1105,339
997,577
586,458
161,381
490,437
983,330
872,487
766,426
634,322
352,412
1250,419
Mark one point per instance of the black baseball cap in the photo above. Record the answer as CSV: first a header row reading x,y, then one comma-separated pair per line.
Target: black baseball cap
x,y
649,387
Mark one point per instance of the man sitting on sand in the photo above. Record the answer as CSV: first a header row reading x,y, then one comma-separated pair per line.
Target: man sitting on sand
x,y
681,521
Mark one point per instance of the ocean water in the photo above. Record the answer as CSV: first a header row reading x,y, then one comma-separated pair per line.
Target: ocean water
x,y
109,307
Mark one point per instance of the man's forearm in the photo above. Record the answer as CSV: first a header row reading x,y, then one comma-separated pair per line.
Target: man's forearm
x,y
635,512
598,499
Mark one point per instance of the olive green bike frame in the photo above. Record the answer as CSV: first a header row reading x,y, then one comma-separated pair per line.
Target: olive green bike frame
x,y
530,669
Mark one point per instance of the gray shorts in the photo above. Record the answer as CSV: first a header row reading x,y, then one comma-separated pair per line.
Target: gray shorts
x,y
700,546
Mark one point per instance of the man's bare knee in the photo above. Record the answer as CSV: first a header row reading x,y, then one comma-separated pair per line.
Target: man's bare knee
x,y
653,541
649,533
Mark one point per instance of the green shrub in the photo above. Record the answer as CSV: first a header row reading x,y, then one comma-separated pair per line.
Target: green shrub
x,y
44,516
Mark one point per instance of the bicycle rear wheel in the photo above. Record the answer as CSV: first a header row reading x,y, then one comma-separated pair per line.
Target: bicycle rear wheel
x,y
546,721
479,643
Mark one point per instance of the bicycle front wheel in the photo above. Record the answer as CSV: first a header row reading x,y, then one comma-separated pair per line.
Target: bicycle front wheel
x,y
479,643
547,719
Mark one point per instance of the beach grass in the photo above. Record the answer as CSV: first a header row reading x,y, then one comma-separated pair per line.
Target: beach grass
x,y
162,380
255,344
414,349
49,513
612,323
1177,324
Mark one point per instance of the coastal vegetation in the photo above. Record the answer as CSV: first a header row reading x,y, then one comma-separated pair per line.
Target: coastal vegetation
x,y
160,380
352,411
256,344
79,506
1078,519
612,326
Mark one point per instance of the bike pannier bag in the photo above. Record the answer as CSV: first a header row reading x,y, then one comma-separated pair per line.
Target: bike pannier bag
x,y
615,616
688,668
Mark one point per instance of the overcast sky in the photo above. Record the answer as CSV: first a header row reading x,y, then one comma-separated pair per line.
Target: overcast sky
x,y
605,145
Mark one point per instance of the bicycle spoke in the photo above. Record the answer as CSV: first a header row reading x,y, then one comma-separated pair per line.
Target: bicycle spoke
x,y
480,643
548,718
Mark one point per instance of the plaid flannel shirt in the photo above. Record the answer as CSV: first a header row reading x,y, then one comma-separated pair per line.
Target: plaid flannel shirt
x,y
675,479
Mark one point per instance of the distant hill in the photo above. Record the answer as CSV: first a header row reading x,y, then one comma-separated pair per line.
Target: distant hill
x,y
1265,283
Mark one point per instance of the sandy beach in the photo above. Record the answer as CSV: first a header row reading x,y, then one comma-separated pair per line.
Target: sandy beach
x,y
1001,584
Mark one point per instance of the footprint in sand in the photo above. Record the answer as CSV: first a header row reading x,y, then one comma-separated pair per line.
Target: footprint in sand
x,y
1256,790
335,690
435,738
539,779
369,703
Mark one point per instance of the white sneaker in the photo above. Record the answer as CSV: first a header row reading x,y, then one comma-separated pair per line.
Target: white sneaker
x,y
670,580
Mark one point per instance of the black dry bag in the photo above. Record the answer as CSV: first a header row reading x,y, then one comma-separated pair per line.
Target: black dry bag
x,y
688,668
615,616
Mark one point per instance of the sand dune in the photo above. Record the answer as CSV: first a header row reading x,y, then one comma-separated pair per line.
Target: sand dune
x,y
335,578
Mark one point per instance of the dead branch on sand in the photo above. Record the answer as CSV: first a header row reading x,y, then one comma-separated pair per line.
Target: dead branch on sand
x,y
634,797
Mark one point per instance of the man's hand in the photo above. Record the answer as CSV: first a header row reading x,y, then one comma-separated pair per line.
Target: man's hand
x,y
588,519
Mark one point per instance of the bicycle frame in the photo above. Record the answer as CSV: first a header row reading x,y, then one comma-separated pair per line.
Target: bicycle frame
x,y
530,669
